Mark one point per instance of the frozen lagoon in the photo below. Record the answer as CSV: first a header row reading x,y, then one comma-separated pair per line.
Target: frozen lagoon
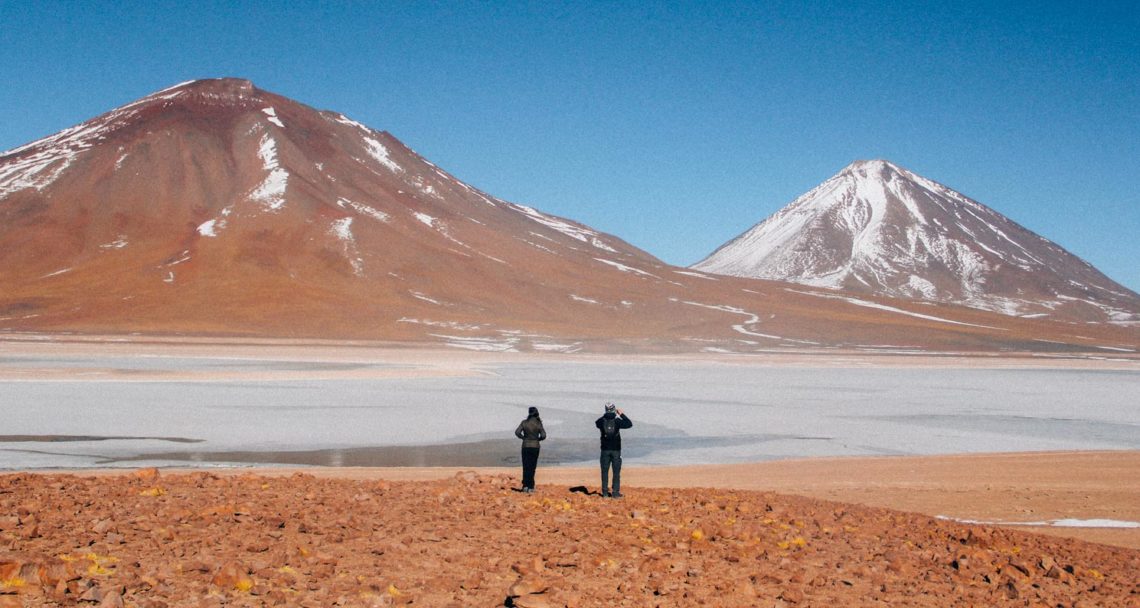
x,y
684,411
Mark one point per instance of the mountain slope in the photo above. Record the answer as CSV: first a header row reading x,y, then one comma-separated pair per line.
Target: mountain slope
x,y
877,228
216,187
214,208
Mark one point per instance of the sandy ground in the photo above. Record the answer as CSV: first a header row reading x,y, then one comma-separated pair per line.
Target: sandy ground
x,y
1000,489
1017,487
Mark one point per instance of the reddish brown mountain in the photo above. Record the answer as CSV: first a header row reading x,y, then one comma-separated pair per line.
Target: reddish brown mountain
x,y
216,208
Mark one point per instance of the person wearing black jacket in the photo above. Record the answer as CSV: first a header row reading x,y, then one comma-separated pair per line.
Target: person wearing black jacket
x,y
610,426
531,432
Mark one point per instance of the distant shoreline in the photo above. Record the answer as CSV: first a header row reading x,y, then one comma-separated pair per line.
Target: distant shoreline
x,y
369,360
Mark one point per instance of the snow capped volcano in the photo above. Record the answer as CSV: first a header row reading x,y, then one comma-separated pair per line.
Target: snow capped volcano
x,y
878,228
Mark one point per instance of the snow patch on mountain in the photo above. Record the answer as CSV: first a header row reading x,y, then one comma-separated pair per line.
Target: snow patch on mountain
x,y
575,232
381,155
344,120
342,230
629,269
38,164
271,192
423,186
537,245
272,114
35,171
876,305
699,275
178,259
118,243
363,209
420,296
207,228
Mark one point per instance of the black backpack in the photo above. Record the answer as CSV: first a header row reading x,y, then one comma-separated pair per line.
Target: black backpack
x,y
609,427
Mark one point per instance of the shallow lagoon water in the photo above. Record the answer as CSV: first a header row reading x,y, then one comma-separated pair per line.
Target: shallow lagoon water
x,y
683,413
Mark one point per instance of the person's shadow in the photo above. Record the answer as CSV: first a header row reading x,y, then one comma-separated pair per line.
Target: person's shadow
x,y
575,489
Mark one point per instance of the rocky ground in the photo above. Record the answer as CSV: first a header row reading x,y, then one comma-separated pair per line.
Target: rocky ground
x,y
200,539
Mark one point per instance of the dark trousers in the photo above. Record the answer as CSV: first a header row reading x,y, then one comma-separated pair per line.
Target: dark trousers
x,y
530,463
611,458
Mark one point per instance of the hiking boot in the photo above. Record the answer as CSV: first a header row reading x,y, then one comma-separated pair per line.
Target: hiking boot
x,y
617,495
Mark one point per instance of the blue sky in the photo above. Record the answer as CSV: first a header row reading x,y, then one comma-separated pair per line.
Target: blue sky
x,y
675,125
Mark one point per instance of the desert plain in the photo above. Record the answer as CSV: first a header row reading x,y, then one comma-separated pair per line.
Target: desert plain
x,y
215,473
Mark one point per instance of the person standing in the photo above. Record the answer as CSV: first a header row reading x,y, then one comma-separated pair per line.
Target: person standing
x,y
531,433
610,425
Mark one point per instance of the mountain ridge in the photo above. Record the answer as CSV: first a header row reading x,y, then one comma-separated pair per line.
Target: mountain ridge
x,y
214,208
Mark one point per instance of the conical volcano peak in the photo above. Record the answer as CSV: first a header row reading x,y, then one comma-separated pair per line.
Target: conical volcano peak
x,y
877,228
878,168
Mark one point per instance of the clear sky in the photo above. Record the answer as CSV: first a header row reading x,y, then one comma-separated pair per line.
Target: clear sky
x,y
674,125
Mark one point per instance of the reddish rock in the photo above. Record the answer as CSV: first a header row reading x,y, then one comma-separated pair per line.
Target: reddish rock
x,y
529,585
792,595
233,576
148,475
1009,589
92,594
111,600
10,566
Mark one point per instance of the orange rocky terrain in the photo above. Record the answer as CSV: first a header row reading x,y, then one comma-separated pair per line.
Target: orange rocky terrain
x,y
201,539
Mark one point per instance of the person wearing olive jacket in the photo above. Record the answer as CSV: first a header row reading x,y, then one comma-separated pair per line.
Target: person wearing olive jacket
x,y
531,433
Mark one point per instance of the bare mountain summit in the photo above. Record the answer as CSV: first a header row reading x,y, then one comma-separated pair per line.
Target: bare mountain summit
x,y
878,228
